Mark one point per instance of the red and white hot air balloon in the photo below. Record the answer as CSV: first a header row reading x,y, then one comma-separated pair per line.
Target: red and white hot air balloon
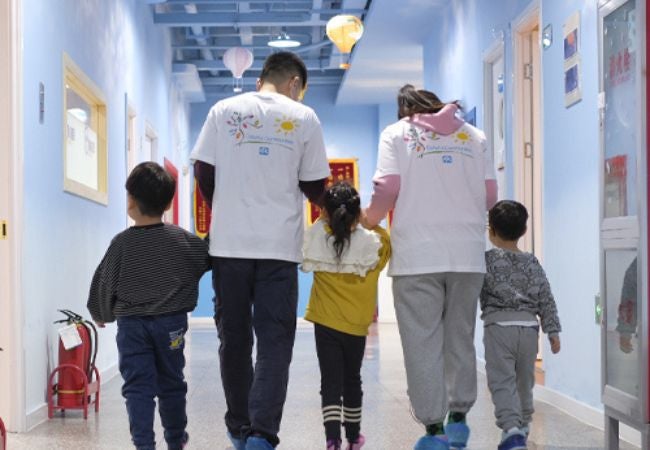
x,y
238,60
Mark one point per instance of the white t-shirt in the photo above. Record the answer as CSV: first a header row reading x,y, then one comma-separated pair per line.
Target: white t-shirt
x,y
439,219
261,145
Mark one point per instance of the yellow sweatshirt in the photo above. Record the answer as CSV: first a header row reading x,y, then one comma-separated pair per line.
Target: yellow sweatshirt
x,y
343,301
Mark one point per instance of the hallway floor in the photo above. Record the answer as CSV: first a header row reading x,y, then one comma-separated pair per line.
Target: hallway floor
x,y
387,421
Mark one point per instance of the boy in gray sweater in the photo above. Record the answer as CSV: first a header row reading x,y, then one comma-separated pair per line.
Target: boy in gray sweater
x,y
515,293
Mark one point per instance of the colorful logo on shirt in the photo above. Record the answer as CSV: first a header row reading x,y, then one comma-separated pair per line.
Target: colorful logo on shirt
x,y
286,125
264,151
422,143
240,124
417,140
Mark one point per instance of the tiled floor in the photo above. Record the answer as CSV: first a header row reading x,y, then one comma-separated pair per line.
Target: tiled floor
x,y
387,422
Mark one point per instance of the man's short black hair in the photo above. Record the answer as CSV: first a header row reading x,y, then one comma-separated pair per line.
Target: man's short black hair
x,y
508,219
282,66
152,187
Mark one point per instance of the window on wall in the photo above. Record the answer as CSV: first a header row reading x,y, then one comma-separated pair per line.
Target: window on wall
x,y
84,136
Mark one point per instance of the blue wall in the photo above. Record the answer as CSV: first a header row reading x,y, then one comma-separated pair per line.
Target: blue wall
x,y
116,44
453,69
349,131
571,214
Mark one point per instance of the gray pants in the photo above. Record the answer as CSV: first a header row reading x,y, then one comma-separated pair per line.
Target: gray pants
x,y
436,315
510,353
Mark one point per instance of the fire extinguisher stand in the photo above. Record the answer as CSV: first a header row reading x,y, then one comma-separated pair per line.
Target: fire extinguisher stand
x,y
75,379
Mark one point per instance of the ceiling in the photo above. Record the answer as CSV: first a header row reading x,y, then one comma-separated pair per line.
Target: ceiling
x,y
202,30
388,55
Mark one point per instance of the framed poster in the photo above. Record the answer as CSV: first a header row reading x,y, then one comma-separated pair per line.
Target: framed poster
x,y
572,85
85,167
342,169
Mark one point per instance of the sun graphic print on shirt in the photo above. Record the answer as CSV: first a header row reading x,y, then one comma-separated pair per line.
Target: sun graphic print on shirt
x,y
239,124
416,140
462,137
286,125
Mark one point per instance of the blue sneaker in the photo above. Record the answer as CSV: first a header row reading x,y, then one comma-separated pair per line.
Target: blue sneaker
x,y
258,443
458,434
239,444
429,442
513,441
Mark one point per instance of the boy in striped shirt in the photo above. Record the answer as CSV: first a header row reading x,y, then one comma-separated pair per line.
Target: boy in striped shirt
x,y
148,282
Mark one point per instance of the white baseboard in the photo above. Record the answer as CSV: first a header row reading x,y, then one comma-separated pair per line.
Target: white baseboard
x,y
39,414
36,416
581,411
201,321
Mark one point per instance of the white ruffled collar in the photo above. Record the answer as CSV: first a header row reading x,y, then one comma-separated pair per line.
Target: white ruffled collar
x,y
361,256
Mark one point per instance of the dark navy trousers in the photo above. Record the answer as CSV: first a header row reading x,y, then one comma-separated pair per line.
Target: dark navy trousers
x,y
151,363
255,296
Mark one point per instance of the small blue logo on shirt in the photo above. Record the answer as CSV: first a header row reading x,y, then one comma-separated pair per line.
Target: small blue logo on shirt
x,y
264,151
447,159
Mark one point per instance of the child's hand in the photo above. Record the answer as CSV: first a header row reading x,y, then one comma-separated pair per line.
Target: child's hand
x,y
555,344
100,324
625,343
363,220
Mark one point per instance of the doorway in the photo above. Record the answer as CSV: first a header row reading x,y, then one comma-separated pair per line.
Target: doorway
x,y
494,110
12,385
171,215
131,147
527,136
150,144
527,131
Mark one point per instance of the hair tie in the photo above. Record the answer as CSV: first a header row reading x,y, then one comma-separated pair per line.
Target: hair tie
x,y
343,207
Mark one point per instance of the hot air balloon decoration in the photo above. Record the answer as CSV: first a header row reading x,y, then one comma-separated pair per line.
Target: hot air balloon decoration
x,y
344,31
238,60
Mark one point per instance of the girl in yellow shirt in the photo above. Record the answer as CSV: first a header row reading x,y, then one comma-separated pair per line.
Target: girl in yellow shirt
x,y
346,260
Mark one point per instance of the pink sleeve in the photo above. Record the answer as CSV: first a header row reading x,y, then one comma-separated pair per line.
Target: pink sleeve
x,y
490,193
384,195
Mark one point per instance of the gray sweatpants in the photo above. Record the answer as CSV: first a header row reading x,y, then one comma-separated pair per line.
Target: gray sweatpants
x,y
436,315
510,353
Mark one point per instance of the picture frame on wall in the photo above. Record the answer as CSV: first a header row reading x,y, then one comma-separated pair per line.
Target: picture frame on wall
x,y
85,151
572,91
571,40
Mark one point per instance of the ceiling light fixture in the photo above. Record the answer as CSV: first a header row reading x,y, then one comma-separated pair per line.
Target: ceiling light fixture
x,y
283,40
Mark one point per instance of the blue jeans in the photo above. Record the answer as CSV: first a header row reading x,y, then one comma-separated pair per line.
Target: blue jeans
x,y
260,296
151,363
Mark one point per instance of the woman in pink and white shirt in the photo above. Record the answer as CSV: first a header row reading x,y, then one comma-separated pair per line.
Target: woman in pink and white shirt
x,y
436,173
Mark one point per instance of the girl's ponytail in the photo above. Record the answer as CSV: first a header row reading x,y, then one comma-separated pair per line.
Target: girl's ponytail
x,y
343,207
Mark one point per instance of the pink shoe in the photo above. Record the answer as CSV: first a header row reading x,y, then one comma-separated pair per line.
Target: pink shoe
x,y
357,445
333,444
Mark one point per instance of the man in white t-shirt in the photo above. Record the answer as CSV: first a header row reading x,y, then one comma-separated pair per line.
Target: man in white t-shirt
x,y
435,172
256,155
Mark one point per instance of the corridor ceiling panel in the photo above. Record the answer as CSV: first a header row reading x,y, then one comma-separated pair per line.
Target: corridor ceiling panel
x,y
202,30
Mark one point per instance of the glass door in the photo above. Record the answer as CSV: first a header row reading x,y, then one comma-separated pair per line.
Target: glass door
x,y
622,194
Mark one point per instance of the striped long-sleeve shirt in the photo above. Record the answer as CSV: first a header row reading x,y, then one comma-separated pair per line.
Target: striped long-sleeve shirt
x,y
148,270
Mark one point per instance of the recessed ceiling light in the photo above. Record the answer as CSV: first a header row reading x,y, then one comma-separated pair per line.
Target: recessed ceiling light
x,y
283,41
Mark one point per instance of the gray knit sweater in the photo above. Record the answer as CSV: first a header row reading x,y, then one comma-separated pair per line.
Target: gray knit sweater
x,y
516,289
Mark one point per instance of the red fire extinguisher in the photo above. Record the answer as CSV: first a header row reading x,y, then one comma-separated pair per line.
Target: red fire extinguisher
x,y
3,435
76,368
3,432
